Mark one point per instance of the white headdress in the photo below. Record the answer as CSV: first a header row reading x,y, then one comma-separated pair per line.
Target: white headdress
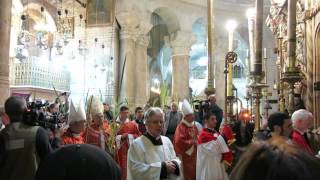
x,y
77,113
95,106
186,107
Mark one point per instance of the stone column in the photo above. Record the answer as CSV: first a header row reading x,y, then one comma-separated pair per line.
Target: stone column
x,y
180,64
211,73
292,24
257,65
127,66
5,26
142,71
309,55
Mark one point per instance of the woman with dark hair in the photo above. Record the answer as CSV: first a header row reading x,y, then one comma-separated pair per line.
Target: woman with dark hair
x,y
275,159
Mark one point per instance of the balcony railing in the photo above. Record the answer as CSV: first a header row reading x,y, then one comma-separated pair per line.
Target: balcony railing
x,y
31,73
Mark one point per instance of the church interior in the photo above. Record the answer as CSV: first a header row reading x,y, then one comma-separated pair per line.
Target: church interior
x,y
258,55
156,52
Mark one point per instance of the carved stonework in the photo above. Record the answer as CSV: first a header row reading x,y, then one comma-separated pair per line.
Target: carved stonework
x,y
128,33
309,14
300,47
181,42
143,40
277,22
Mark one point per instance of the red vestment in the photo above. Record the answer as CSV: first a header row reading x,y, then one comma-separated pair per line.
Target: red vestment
x,y
69,138
302,142
206,136
93,134
185,145
131,129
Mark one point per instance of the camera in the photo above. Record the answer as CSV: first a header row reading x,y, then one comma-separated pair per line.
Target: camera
x,y
36,115
202,105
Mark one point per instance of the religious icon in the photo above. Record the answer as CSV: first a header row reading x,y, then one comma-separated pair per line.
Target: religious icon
x,y
100,12
65,27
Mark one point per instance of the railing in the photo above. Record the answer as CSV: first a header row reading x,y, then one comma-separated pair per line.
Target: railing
x,y
34,74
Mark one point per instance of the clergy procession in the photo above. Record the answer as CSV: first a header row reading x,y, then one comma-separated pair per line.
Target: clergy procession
x,y
150,146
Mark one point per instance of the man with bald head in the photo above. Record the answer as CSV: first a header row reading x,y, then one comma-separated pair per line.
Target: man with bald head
x,y
172,119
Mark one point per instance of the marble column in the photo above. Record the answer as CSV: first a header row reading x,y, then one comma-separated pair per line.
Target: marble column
x,y
5,26
142,71
181,46
127,67
292,24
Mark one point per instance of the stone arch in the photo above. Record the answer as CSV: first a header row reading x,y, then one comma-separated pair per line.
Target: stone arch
x,y
165,24
34,12
198,28
169,18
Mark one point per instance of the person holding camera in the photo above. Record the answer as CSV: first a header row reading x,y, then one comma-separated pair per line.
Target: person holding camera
x,y
210,106
53,127
22,146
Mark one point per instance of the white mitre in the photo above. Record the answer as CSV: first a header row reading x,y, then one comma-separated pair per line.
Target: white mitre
x,y
77,113
95,106
186,108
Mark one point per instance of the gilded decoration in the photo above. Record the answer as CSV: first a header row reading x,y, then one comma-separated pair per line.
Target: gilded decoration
x,y
100,12
277,22
65,26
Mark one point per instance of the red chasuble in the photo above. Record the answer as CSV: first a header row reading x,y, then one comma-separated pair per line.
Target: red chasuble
x,y
131,129
69,138
301,141
185,145
93,134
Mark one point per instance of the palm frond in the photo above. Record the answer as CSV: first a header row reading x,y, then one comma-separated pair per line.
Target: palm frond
x,y
164,94
122,73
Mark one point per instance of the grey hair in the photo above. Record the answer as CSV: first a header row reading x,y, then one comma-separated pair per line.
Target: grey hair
x,y
150,112
301,114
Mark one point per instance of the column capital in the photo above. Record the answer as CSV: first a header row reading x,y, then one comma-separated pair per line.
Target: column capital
x,y
143,30
181,42
128,33
131,29
129,23
143,40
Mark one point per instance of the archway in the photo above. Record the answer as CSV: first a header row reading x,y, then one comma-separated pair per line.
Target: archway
x,y
198,63
165,24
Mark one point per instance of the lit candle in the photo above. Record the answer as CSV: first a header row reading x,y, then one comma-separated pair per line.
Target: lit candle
x,y
265,53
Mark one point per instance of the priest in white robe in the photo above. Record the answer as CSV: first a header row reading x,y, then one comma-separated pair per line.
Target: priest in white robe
x,y
151,156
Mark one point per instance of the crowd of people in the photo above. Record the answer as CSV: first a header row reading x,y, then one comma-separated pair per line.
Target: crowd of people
x,y
153,145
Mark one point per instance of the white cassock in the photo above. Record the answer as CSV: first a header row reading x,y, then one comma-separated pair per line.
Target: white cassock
x,y
144,159
209,155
